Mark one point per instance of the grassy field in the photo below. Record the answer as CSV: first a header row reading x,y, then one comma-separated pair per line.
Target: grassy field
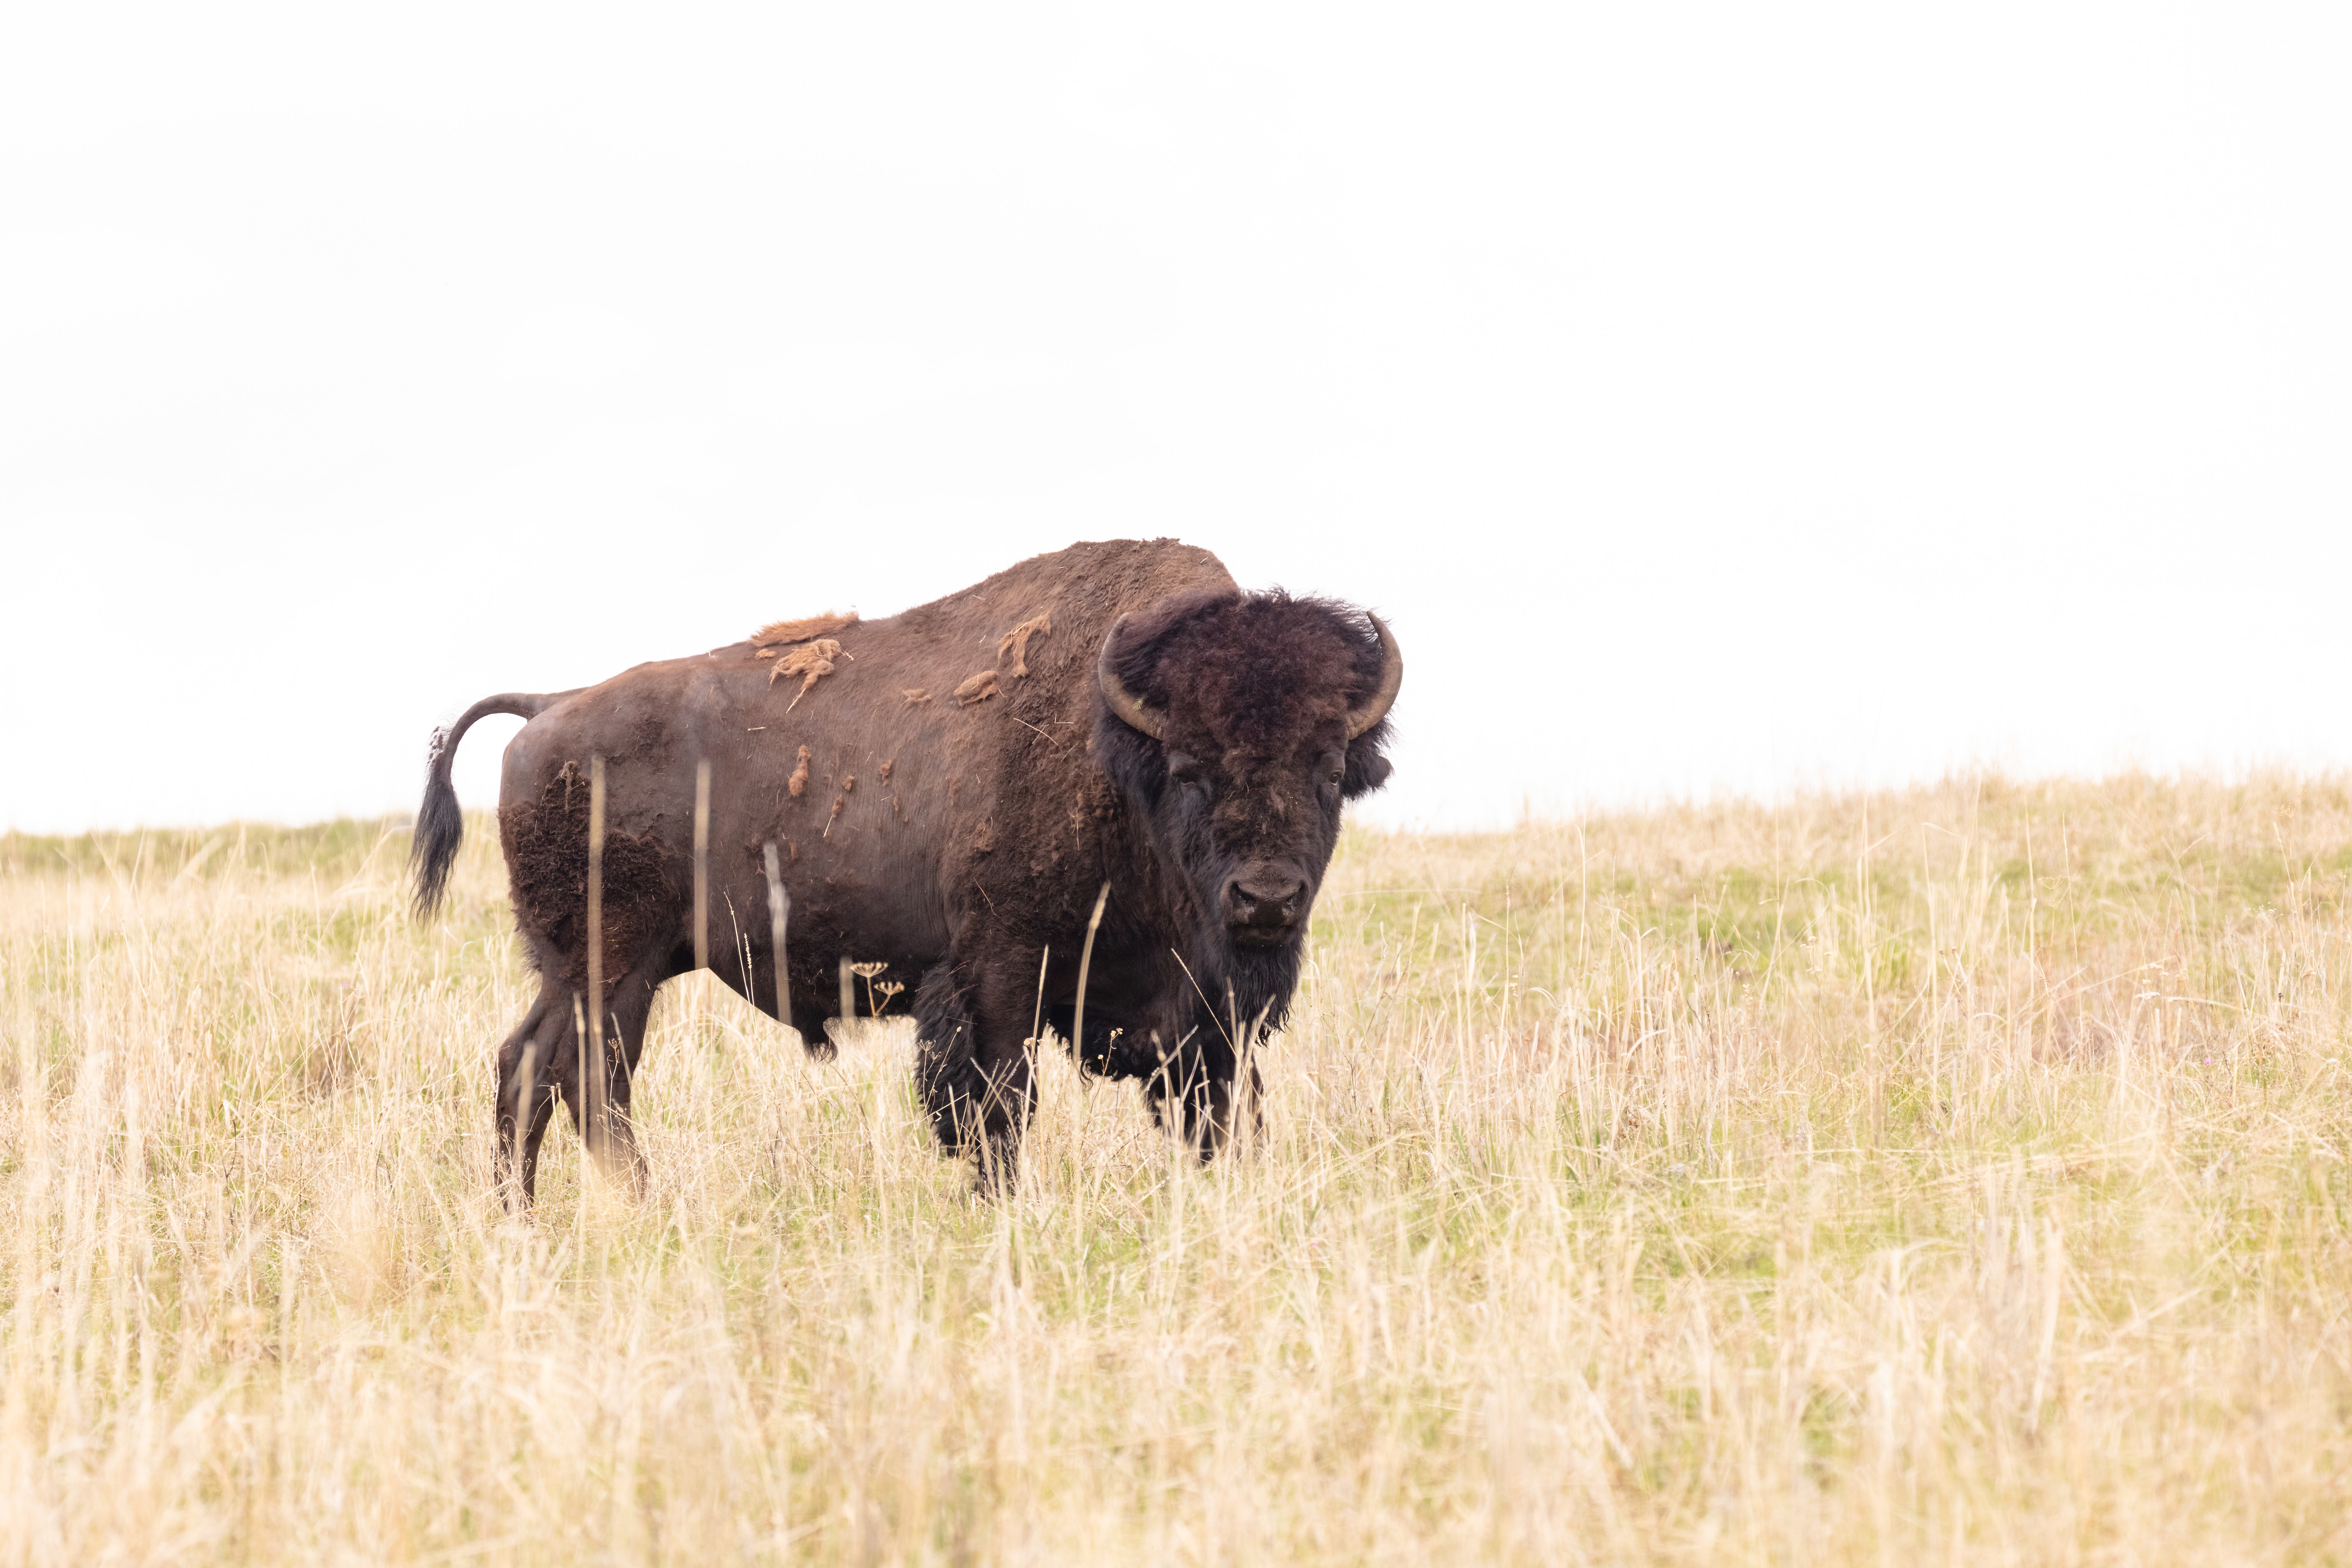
x,y
1954,1176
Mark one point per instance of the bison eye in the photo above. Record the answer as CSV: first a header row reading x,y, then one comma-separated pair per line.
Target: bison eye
x,y
1334,768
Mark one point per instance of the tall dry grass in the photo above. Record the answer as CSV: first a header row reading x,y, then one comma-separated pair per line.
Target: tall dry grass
x,y
1953,1175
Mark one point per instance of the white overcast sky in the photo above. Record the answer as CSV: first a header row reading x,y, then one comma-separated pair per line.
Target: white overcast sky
x,y
1733,397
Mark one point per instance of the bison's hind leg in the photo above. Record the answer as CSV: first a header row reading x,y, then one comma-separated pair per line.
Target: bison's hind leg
x,y
628,1004
947,1045
531,1065
976,1083
542,1063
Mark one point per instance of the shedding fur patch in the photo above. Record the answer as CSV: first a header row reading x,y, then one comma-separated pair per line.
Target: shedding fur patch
x,y
798,782
979,688
914,695
811,661
1016,642
777,635
887,763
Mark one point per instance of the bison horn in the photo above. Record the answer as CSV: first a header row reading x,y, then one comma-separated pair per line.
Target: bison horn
x,y
1123,702
1376,706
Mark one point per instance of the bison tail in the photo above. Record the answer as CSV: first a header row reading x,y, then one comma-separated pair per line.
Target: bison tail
x,y
440,825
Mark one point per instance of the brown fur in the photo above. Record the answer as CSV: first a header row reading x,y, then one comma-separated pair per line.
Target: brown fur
x,y
976,689
1016,642
813,661
778,634
798,782
543,840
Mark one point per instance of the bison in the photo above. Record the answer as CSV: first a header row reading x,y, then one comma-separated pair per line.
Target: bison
x,y
1100,788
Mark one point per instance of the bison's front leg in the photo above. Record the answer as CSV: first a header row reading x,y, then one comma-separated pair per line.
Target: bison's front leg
x,y
974,1069
626,1012
1204,1092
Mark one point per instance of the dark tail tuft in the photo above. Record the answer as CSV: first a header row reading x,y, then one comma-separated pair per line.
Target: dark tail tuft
x,y
440,825
440,828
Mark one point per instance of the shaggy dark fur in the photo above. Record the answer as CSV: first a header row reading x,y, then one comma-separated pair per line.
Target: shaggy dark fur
x,y
547,867
997,824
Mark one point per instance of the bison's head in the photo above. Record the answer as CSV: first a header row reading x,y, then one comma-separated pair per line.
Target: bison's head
x,y
1237,724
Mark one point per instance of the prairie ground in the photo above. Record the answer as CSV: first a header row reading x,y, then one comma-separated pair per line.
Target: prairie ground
x,y
1953,1175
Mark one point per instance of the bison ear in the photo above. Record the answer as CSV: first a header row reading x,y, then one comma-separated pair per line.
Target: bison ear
x,y
1366,770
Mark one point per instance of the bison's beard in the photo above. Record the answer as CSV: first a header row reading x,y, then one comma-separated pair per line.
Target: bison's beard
x,y
1247,988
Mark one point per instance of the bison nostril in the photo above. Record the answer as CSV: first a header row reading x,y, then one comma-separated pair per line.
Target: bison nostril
x,y
1267,903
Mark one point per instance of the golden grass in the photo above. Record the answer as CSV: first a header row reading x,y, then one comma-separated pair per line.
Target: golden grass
x,y
1956,1175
